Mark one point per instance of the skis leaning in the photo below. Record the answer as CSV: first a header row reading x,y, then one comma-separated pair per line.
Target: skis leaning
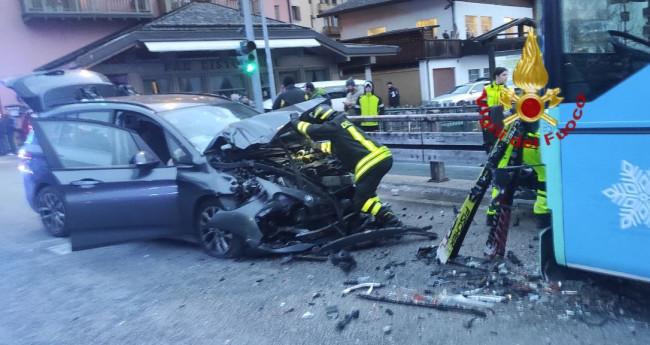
x,y
453,239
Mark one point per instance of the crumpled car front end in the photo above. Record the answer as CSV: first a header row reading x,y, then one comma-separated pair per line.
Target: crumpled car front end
x,y
287,196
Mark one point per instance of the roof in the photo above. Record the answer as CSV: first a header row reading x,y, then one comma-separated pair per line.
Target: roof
x,y
355,5
200,21
204,14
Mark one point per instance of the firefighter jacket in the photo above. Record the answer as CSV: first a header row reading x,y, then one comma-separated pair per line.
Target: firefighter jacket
x,y
356,151
292,95
369,105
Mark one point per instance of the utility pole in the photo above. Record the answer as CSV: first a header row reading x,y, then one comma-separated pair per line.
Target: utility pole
x,y
250,35
267,52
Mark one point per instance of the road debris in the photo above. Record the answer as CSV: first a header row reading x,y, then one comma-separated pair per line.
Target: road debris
x,y
343,260
487,298
332,312
389,311
419,300
308,315
387,329
347,319
469,323
370,287
514,259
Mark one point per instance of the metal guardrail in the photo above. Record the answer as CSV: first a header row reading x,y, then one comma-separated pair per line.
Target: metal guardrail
x,y
453,138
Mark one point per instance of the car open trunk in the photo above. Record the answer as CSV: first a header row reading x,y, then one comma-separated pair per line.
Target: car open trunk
x,y
43,91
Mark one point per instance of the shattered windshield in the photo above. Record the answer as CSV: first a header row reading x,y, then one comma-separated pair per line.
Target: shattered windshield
x,y
199,125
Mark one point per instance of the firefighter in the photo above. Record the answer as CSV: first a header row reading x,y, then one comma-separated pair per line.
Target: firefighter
x,y
369,105
359,154
314,92
291,95
530,153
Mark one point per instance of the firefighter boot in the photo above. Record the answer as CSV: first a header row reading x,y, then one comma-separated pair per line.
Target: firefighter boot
x,y
386,219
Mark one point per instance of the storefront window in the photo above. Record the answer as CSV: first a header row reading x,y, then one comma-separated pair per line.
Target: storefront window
x,y
226,84
189,84
155,86
316,75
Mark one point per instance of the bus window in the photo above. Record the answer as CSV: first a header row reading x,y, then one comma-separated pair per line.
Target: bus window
x,y
603,44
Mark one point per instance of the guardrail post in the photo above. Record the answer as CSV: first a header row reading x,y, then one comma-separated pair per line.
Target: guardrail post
x,y
437,170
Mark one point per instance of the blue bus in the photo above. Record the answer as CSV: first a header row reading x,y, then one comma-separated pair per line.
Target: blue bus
x,y
597,158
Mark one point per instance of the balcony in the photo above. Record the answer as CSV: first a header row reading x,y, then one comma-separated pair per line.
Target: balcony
x,y
418,44
323,7
331,31
93,9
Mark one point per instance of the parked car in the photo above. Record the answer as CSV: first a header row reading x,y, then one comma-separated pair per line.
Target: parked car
x,y
465,94
108,169
461,95
335,90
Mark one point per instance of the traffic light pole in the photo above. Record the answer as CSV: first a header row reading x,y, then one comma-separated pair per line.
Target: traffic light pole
x,y
267,52
250,35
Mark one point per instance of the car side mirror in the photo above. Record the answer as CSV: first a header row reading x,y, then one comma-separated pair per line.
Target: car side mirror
x,y
144,160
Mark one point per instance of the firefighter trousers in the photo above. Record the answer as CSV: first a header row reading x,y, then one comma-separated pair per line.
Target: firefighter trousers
x,y
365,196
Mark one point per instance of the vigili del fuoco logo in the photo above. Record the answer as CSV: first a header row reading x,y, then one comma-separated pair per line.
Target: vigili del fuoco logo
x,y
531,76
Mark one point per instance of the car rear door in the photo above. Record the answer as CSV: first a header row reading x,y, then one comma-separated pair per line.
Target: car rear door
x,y
108,199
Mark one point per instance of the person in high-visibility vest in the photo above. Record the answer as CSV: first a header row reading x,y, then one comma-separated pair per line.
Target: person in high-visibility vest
x,y
530,156
369,105
358,153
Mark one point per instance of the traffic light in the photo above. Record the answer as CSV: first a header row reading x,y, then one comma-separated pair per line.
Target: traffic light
x,y
247,57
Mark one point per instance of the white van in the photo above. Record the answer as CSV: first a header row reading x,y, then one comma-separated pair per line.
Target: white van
x,y
334,88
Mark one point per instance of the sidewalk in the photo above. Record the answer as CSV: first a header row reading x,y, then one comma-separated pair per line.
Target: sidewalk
x,y
418,188
449,193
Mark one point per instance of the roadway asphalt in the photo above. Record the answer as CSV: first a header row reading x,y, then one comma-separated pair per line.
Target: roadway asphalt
x,y
169,292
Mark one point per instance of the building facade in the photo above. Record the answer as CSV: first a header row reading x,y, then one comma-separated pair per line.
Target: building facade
x,y
436,39
42,31
194,49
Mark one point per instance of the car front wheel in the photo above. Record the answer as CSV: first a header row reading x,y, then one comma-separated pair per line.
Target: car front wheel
x,y
216,242
51,208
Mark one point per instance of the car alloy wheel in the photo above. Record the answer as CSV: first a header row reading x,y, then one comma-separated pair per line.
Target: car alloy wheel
x,y
215,241
52,212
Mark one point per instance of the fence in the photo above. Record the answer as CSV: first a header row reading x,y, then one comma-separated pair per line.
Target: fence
x,y
432,134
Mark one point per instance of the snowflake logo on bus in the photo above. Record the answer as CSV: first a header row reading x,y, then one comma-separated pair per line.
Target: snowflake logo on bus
x,y
631,195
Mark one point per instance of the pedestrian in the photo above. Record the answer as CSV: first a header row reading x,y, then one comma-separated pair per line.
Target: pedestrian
x,y
492,95
531,155
7,139
445,35
369,105
351,97
393,95
291,94
358,153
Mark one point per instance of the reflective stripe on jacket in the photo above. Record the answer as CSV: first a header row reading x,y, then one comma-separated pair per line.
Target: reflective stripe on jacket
x,y
358,152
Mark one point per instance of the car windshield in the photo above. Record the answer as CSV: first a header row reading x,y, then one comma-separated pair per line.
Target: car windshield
x,y
200,124
460,89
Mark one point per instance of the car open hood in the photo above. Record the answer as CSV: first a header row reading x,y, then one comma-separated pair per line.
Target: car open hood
x,y
259,129
44,90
